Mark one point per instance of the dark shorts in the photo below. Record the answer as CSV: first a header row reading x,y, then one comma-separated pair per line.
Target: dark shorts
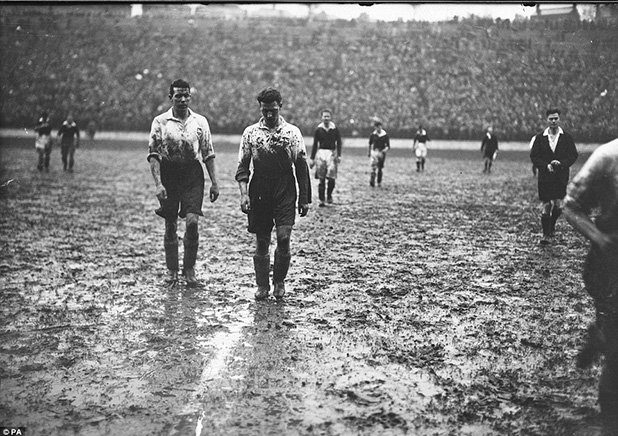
x,y
184,184
273,203
552,186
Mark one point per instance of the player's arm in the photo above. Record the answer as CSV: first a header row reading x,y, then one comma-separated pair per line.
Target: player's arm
x,y
207,151
243,172
338,142
536,156
314,148
302,174
583,224
154,158
582,197
571,153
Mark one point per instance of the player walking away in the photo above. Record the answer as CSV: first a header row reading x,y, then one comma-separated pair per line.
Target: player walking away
x,y
596,186
489,148
69,141
43,142
553,152
91,129
179,139
379,144
419,146
274,146
326,155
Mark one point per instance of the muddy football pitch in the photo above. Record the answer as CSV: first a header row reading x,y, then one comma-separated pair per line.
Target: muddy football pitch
x,y
425,306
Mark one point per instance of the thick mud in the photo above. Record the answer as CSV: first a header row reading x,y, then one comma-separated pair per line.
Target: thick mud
x,y
422,307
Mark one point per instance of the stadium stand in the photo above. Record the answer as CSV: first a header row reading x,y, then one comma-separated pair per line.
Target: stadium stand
x,y
453,77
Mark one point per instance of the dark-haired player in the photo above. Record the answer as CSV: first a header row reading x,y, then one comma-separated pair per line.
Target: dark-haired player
x,y
379,144
179,140
43,142
69,141
277,150
326,155
419,146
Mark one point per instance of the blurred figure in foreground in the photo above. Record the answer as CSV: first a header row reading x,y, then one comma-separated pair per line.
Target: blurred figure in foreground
x,y
179,140
553,152
69,141
275,147
43,142
596,186
326,155
419,146
379,144
489,148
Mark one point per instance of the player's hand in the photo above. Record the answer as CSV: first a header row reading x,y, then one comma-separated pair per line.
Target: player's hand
x,y
161,193
214,192
303,209
338,159
311,163
555,163
245,203
550,168
608,244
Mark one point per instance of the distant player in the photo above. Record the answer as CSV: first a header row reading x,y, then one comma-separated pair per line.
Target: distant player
x,y
379,144
91,130
596,187
43,142
489,148
326,155
69,141
553,152
179,140
419,147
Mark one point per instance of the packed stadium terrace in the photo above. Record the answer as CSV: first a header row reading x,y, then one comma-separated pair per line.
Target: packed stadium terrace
x,y
454,77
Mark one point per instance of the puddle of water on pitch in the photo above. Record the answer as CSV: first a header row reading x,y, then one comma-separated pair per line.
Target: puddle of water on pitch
x,y
220,346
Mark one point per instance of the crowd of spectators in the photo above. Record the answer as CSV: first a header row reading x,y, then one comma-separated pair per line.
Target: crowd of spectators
x,y
453,77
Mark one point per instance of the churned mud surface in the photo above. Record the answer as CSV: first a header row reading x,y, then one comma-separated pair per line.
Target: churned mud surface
x,y
422,307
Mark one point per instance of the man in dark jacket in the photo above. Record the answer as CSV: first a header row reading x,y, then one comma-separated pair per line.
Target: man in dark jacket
x,y
553,152
489,148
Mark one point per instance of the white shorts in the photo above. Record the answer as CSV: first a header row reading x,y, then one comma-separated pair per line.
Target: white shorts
x,y
421,150
377,159
42,142
326,164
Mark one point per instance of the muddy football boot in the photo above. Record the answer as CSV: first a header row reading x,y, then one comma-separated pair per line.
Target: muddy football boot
x,y
171,259
261,265
189,275
280,271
